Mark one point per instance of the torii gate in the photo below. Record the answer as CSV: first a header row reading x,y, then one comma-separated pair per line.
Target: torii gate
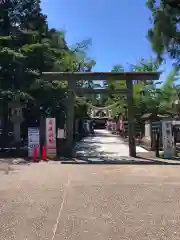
x,y
73,77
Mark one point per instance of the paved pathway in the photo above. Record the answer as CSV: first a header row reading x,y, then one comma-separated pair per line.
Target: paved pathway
x,y
52,201
104,145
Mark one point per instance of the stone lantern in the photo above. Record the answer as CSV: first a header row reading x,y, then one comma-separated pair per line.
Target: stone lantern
x,y
16,117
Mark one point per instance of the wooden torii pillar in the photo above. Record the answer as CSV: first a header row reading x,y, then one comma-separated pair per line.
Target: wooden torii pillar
x,y
70,117
72,78
131,120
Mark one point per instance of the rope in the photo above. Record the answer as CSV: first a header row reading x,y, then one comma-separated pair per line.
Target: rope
x,y
80,99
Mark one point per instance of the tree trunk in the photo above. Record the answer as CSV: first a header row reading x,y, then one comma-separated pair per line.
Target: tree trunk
x,y
4,137
17,133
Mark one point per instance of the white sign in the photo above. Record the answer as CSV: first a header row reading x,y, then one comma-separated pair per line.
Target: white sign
x,y
33,141
60,133
168,139
51,137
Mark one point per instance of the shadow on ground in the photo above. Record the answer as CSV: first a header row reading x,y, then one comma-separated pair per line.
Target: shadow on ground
x,y
119,161
89,152
91,146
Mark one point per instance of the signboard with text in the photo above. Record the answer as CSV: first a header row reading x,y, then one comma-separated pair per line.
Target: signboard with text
x,y
33,140
51,137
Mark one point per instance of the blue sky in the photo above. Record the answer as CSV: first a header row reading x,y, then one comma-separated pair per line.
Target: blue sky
x,y
117,28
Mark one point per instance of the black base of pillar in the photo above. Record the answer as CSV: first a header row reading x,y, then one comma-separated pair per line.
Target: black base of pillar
x,y
68,152
133,154
132,148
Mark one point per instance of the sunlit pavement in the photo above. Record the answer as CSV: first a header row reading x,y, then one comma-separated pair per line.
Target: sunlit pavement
x,y
104,145
100,202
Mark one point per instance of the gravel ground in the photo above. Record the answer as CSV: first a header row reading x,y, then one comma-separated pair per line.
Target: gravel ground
x,y
54,201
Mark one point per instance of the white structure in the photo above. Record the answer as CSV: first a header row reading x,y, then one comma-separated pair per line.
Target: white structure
x,y
168,139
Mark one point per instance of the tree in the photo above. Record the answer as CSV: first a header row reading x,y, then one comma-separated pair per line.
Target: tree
x,y
160,101
143,65
22,30
10,58
28,48
165,32
148,96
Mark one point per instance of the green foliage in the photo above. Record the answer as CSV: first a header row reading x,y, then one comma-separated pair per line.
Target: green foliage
x,y
138,86
165,32
160,100
27,48
148,96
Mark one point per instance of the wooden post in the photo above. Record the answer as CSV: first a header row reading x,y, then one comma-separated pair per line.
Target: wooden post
x,y
70,118
131,120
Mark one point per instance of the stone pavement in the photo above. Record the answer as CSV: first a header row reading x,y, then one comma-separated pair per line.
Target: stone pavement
x,y
51,201
104,146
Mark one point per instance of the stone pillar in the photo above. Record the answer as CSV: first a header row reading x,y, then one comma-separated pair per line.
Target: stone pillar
x,y
148,131
16,117
131,120
109,113
147,138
